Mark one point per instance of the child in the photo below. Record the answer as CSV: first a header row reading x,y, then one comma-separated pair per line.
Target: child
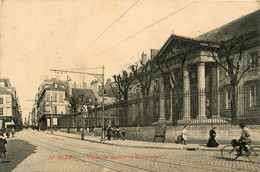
x,y
2,145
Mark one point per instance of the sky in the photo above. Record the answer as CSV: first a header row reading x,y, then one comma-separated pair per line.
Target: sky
x,y
39,35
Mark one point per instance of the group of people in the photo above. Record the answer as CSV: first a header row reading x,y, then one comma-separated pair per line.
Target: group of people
x,y
242,142
10,131
116,133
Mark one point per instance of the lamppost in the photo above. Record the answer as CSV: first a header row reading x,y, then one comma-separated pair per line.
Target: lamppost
x,y
100,78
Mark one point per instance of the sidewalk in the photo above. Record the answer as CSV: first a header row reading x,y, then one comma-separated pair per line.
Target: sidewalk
x,y
141,144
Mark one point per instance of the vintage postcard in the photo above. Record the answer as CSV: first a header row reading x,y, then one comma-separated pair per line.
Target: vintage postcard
x,y
129,85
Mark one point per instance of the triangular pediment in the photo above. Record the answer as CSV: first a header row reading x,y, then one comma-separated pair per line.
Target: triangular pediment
x,y
176,45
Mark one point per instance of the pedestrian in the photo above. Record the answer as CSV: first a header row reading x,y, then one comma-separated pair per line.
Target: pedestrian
x,y
109,132
2,145
212,134
114,133
13,131
123,134
184,135
83,132
7,132
117,133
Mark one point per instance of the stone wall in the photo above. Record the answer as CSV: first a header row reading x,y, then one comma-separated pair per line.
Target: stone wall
x,y
196,134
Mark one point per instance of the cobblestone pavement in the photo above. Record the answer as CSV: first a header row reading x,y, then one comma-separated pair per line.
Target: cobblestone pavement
x,y
38,151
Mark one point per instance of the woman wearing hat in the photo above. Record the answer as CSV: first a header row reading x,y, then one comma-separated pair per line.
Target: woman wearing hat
x,y
2,144
212,134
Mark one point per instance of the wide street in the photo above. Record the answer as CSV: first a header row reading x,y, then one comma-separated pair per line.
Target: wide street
x,y
40,151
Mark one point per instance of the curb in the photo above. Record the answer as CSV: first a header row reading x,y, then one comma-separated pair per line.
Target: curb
x,y
146,147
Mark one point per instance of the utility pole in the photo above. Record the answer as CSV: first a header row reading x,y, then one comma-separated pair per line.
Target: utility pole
x,y
51,117
100,78
103,108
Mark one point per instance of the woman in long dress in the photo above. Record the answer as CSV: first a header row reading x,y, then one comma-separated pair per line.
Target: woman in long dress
x,y
212,142
184,135
2,145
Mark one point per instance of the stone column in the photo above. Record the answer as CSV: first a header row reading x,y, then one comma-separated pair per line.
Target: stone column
x,y
186,92
162,101
201,89
217,90
170,102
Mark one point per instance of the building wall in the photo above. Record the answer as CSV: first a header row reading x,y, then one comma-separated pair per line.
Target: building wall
x,y
195,134
7,105
59,105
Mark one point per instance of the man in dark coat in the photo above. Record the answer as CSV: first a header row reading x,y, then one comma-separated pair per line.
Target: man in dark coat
x,y
109,131
123,134
212,142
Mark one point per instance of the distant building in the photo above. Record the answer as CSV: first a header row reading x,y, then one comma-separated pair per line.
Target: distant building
x,y
52,101
10,111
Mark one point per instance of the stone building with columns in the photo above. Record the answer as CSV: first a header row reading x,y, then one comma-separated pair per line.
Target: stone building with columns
x,y
200,93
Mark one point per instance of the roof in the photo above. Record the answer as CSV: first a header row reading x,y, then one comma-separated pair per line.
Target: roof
x,y
108,91
243,25
82,91
4,91
52,88
176,41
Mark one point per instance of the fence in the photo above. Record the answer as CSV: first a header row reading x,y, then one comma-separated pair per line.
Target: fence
x,y
194,107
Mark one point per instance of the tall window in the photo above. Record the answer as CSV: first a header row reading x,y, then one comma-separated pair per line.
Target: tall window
x,y
54,97
252,96
228,99
253,59
8,111
54,109
60,97
253,99
1,111
8,100
1,100
48,97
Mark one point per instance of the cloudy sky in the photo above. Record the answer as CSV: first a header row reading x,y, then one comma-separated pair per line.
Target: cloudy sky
x,y
39,35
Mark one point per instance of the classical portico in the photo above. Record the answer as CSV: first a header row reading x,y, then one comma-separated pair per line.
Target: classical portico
x,y
190,59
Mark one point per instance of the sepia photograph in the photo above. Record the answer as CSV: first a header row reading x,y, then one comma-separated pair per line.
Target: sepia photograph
x,y
129,85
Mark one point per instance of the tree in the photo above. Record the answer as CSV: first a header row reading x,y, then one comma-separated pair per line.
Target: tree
x,y
123,82
77,104
229,55
144,73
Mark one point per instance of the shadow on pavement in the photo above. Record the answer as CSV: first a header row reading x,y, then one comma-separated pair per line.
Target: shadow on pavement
x,y
17,151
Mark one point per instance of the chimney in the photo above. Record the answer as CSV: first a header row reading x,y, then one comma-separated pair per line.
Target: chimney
x,y
75,84
108,81
144,58
84,85
94,87
69,85
154,52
